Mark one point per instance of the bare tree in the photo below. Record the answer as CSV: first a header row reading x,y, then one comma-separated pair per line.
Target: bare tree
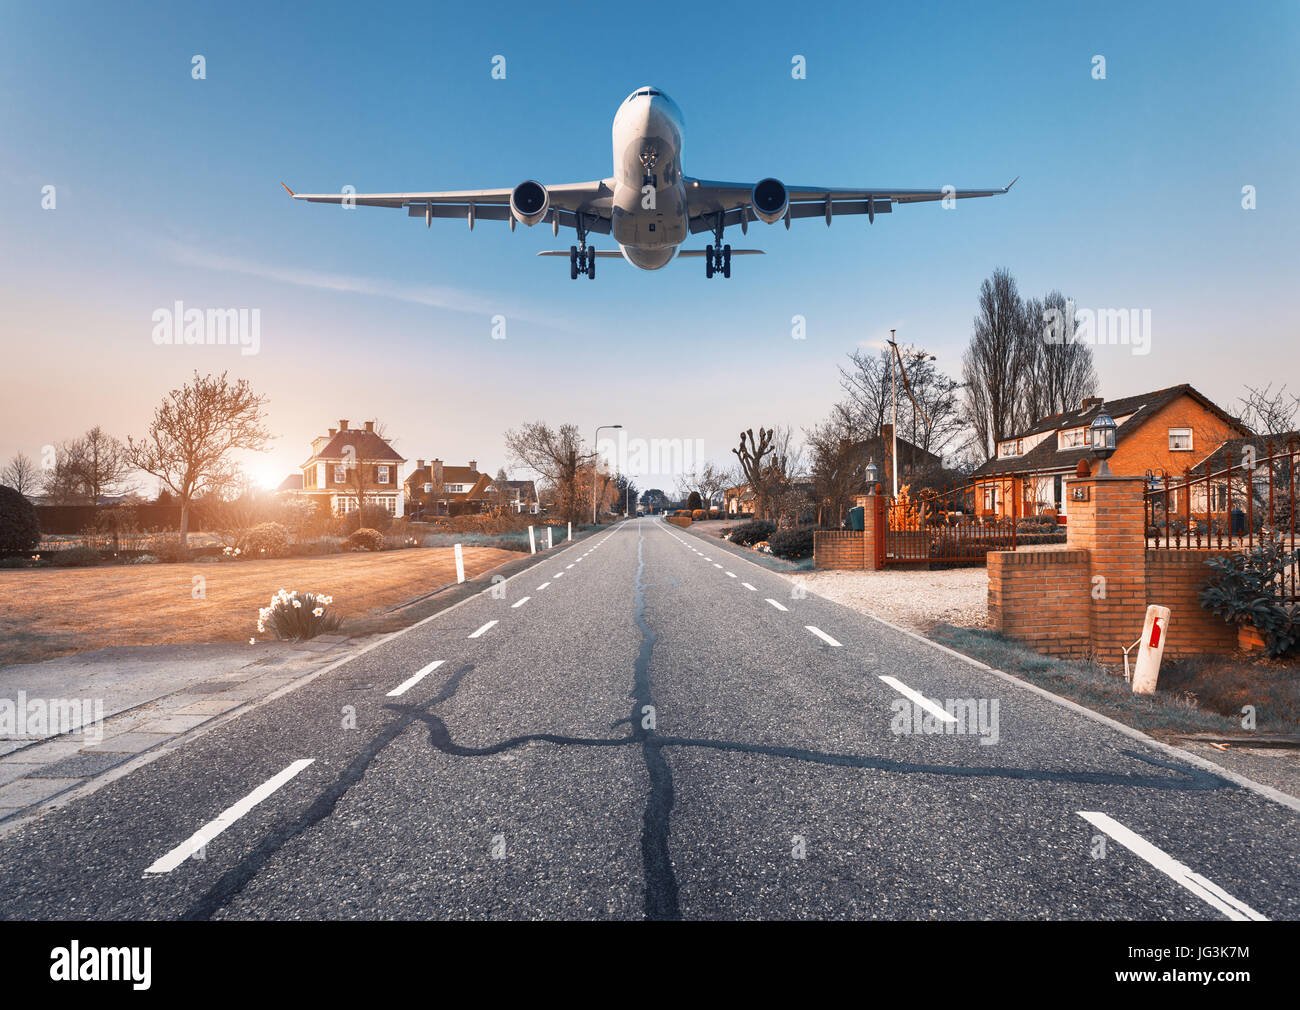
x,y
755,455
102,463
64,483
1268,413
998,362
21,474
193,434
556,454
1062,371
712,481
838,465
930,413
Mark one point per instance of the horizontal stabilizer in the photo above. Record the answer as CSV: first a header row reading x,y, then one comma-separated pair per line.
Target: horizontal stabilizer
x,y
696,253
603,254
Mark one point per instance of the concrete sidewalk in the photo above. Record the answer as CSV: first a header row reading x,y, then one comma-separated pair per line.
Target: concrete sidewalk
x,y
136,699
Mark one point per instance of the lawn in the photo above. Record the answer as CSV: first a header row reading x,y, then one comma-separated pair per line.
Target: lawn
x,y
53,612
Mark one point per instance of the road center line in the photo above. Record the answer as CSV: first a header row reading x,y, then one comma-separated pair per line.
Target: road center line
x,y
410,682
731,575
486,628
225,819
749,587
1208,891
778,606
919,699
822,635
520,602
542,586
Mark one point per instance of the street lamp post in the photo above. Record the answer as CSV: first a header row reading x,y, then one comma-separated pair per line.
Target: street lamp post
x,y
595,444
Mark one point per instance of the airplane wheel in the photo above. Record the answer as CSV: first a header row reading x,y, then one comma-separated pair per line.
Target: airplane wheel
x,y
708,261
591,264
726,261
573,262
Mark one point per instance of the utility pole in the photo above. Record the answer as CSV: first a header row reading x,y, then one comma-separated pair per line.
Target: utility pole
x,y
893,424
595,456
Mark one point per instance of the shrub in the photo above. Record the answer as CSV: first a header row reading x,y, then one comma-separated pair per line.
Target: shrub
x,y
265,540
715,514
169,549
693,501
368,517
143,559
679,520
750,533
1247,587
19,529
316,547
366,540
75,557
16,563
294,617
698,515
793,544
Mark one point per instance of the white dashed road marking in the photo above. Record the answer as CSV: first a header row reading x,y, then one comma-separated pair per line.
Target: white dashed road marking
x,y
410,682
749,587
483,630
542,586
1207,890
520,602
777,605
822,635
197,841
919,699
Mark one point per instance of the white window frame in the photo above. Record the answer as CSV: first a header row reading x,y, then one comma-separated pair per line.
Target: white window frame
x,y
1063,436
428,487
1189,447
340,473
381,473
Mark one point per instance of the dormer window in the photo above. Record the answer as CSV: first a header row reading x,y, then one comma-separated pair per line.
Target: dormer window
x,y
1011,447
1073,438
428,487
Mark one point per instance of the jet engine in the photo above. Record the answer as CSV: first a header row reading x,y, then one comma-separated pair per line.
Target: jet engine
x,y
770,200
529,202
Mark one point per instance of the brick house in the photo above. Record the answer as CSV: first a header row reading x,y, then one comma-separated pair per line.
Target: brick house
x,y
1161,432
519,495
436,489
348,464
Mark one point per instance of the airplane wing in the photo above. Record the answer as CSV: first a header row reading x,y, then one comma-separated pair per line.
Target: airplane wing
x,y
591,200
730,203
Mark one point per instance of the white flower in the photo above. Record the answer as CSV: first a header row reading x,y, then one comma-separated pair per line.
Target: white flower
x,y
253,641
297,604
318,611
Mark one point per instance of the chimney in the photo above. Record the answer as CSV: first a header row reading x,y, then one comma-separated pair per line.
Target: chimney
x,y
343,424
419,464
333,432
473,465
435,475
370,426
1092,401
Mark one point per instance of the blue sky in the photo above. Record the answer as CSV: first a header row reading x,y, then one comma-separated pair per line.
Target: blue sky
x,y
168,188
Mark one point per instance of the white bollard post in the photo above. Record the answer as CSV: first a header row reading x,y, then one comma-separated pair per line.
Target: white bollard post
x,y
549,542
1147,668
532,541
570,531
460,564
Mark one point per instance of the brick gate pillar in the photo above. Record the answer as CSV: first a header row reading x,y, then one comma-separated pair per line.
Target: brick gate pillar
x,y
1110,523
873,530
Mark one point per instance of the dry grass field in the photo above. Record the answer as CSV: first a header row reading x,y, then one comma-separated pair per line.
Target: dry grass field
x,y
53,612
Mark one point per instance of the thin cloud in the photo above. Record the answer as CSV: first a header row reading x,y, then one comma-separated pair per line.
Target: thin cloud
x,y
430,295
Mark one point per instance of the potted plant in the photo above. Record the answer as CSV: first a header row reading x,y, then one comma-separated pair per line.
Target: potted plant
x,y
1246,589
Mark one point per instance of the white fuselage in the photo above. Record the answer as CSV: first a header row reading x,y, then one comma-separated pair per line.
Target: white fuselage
x,y
650,218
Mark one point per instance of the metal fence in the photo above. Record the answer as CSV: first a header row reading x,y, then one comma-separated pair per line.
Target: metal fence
x,y
958,525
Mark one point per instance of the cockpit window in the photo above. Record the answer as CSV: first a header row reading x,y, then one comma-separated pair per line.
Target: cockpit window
x,y
643,92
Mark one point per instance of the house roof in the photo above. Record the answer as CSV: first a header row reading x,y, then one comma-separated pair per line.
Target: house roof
x,y
1229,453
526,486
450,475
291,483
1139,409
367,447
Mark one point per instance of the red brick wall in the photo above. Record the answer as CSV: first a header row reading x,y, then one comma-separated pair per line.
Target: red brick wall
x,y
1174,580
1042,598
838,549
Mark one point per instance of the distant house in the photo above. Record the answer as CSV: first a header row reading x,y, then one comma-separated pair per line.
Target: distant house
x,y
349,466
437,489
519,495
1159,433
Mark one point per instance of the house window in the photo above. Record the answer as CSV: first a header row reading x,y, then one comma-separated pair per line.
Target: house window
x,y
1180,439
381,475
1010,448
991,499
455,488
340,473
1074,438
346,504
428,487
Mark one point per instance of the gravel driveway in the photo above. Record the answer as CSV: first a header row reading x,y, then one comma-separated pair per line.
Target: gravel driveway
x,y
913,599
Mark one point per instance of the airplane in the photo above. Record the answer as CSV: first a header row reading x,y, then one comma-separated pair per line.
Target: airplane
x,y
649,206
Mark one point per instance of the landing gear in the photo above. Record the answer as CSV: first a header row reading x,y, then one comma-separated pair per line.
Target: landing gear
x,y
582,260
717,257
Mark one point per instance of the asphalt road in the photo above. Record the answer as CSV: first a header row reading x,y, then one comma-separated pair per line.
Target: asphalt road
x,y
655,727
